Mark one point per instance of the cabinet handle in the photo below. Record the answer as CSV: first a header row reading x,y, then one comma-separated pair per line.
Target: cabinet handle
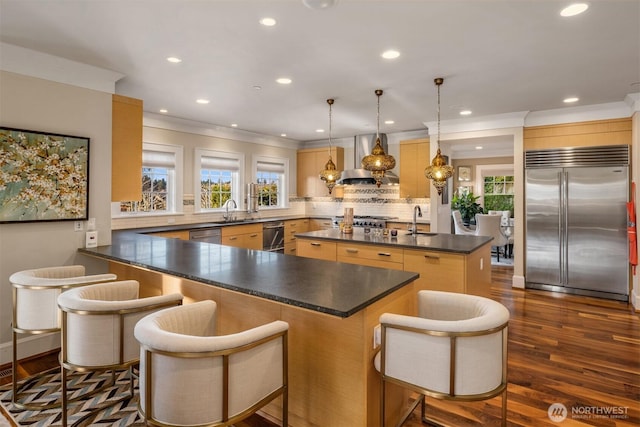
x,y
432,256
384,254
233,238
292,250
254,235
351,251
315,244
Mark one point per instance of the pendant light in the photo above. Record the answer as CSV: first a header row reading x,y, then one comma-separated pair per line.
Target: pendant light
x,y
330,174
378,162
439,171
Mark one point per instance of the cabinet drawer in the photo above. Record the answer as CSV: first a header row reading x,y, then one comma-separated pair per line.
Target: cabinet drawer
x,y
319,249
296,226
290,248
247,241
232,230
369,252
439,271
179,234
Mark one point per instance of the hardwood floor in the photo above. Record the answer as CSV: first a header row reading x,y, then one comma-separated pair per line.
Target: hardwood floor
x,y
579,351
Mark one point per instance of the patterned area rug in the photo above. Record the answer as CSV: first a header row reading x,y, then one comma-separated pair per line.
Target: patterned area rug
x,y
112,406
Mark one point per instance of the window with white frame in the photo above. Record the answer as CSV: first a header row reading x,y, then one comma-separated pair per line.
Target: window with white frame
x,y
271,176
218,178
161,180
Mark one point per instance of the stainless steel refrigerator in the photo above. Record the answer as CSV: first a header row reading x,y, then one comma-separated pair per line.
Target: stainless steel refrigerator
x,y
576,221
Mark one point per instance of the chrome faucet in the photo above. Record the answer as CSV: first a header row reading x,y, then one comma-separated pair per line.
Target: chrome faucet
x,y
416,212
226,206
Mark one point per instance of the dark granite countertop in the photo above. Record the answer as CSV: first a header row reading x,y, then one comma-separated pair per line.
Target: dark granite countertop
x,y
431,241
329,287
213,224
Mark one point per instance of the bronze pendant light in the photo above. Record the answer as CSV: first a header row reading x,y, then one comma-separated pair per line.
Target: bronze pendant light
x,y
378,162
330,174
439,171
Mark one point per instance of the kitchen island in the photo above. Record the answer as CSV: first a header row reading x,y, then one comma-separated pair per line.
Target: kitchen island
x,y
445,262
332,309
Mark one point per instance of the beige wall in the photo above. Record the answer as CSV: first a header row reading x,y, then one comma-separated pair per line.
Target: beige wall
x,y
42,105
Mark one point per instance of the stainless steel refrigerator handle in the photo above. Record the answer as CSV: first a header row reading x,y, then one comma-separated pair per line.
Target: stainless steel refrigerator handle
x,y
561,208
565,231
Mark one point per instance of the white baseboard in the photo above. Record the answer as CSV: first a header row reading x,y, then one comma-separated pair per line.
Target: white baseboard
x,y
30,346
517,282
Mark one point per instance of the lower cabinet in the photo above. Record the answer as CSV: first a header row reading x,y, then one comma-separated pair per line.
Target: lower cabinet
x,y
291,228
248,236
316,224
318,249
372,256
451,272
178,234
403,227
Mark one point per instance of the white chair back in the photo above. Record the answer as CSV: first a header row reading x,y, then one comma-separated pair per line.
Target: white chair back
x,y
187,373
459,226
489,225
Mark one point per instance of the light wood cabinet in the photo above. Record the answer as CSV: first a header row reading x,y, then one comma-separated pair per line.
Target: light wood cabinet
x,y
414,158
178,234
451,272
319,249
316,224
291,228
369,255
248,236
403,227
126,149
310,162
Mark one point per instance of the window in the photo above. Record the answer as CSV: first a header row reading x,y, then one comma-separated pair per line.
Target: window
x,y
161,180
218,178
271,174
498,193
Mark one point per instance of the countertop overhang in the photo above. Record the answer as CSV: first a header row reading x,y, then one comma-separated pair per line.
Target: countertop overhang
x,y
430,241
334,288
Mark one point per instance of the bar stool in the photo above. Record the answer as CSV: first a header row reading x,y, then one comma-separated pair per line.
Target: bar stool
x,y
35,308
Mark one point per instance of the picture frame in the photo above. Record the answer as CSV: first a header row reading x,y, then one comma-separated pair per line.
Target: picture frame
x,y
43,176
464,173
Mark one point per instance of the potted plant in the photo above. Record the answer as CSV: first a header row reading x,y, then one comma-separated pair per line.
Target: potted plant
x,y
468,206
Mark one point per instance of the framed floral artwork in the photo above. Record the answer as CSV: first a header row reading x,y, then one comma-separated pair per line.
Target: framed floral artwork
x,y
43,176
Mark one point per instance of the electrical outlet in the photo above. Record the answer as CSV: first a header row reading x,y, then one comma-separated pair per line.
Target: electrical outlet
x,y
77,226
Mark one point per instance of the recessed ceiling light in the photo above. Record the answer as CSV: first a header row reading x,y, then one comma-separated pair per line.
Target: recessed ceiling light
x,y
257,87
571,99
164,110
389,122
465,112
268,22
283,134
479,147
174,60
234,125
574,9
284,80
319,130
390,54
202,101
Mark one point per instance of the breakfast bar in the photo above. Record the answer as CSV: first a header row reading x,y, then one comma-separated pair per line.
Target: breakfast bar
x,y
332,309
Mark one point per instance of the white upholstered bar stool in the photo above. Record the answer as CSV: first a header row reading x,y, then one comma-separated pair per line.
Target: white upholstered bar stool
x,y
455,349
97,328
189,376
35,309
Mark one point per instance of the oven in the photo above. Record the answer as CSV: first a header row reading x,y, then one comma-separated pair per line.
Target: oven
x,y
273,236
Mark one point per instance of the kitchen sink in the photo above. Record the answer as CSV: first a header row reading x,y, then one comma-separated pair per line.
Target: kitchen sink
x,y
423,233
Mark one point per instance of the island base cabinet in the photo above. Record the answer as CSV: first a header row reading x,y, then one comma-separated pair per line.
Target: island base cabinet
x,y
318,249
449,272
332,379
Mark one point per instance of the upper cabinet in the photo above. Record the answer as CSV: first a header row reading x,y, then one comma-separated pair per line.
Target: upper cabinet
x,y
310,162
126,149
414,158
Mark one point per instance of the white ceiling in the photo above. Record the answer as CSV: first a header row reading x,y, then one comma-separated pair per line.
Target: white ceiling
x,y
496,57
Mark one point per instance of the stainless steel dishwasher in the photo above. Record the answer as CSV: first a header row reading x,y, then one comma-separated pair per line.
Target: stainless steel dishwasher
x,y
273,236
208,235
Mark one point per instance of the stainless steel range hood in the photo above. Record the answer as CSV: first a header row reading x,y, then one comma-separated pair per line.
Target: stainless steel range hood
x,y
363,144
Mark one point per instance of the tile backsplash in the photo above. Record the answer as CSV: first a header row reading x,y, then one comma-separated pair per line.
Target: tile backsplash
x,y
364,199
